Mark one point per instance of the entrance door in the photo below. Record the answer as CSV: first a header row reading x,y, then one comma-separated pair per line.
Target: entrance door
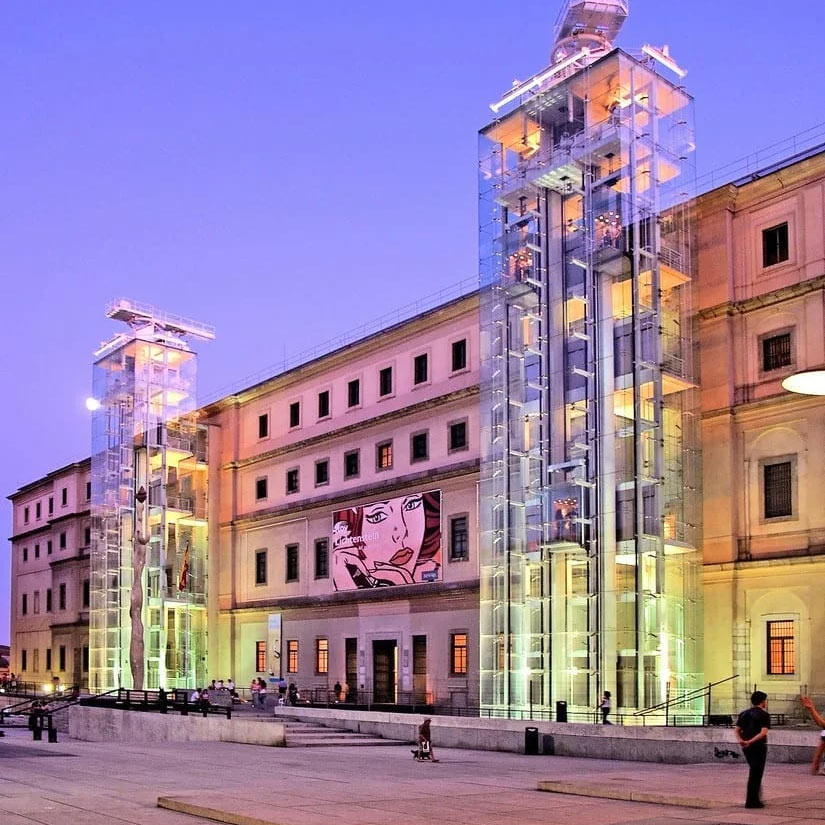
x,y
384,669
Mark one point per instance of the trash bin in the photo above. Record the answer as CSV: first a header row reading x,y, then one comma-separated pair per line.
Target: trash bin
x,y
531,741
561,711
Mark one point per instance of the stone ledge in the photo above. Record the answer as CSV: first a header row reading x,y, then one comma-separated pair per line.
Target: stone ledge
x,y
184,806
604,792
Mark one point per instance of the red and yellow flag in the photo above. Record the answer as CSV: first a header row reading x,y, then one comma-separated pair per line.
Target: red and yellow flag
x,y
183,580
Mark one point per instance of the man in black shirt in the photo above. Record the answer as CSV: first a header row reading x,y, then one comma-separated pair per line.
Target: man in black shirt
x,y
752,732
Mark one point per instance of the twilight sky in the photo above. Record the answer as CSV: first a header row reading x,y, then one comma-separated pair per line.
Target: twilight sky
x,y
289,171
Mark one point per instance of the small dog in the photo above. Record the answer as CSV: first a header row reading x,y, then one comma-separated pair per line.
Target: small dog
x,y
422,753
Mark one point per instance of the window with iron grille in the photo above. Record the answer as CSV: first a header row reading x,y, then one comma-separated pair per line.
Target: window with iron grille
x,y
292,562
459,539
458,654
260,567
778,490
321,558
292,656
781,648
776,352
322,656
260,657
385,381
775,245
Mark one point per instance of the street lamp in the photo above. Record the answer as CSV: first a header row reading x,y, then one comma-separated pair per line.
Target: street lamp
x,y
92,404
809,382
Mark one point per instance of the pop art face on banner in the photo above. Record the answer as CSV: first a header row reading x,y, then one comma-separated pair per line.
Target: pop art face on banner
x,y
389,542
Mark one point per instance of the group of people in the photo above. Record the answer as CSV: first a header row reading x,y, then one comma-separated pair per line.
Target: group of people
x,y
8,681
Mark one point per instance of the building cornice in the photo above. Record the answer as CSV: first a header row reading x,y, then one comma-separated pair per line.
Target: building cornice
x,y
49,524
775,296
307,443
76,466
757,565
367,491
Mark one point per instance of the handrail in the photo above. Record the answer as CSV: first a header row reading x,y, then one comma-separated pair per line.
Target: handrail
x,y
696,693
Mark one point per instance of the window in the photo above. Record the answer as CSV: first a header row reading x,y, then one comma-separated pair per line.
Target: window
x,y
322,472
48,658
87,536
459,539
385,381
36,602
260,657
85,658
775,245
85,592
61,654
419,447
295,414
321,656
458,436
263,425
261,490
88,490
778,491
25,515
321,558
292,656
323,404
25,608
292,562
37,551
25,554
293,480
776,352
23,659
64,496
49,600
459,355
49,547
383,455
51,505
352,463
354,393
62,541
37,510
781,649
458,654
260,566
420,369
36,660
61,597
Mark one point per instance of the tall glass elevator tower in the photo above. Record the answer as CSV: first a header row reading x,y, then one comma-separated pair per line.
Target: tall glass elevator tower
x,y
590,562
147,622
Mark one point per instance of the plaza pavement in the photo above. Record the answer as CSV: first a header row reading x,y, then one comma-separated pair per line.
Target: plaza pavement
x,y
92,783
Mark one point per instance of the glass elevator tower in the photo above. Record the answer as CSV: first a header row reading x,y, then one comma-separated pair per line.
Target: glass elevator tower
x,y
590,561
147,621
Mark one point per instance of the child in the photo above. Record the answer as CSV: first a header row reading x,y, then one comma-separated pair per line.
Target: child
x,y
820,748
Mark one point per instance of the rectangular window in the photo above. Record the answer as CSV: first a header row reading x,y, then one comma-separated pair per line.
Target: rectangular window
x,y
352,464
260,657
321,558
261,490
781,649
260,567
49,547
37,551
24,659
88,491
37,510
775,245
321,472
419,655
85,592
323,404
62,541
295,414
776,352
459,355
420,370
87,536
354,393
263,425
49,600
61,597
419,447
25,515
25,554
85,658
459,539
36,660
61,653
321,656
292,656
36,602
51,505
292,562
383,455
458,436
64,496
458,654
778,490
293,480
48,658
25,607
385,381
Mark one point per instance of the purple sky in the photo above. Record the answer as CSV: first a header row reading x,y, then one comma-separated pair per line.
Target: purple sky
x,y
288,171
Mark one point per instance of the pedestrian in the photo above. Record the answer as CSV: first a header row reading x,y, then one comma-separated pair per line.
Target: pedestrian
x,y
820,749
253,691
605,707
336,689
752,732
262,692
425,742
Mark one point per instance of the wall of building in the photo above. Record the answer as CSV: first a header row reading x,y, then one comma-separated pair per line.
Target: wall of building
x,y
761,568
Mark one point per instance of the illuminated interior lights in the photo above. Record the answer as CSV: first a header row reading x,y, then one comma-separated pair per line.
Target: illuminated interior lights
x,y
578,262
810,382
663,57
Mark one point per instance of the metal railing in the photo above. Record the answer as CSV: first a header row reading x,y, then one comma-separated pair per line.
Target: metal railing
x,y
703,693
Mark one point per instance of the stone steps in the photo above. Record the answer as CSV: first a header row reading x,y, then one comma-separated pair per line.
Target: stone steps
x,y
304,735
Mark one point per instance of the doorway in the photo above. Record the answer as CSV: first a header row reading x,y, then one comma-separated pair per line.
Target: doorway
x,y
384,670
